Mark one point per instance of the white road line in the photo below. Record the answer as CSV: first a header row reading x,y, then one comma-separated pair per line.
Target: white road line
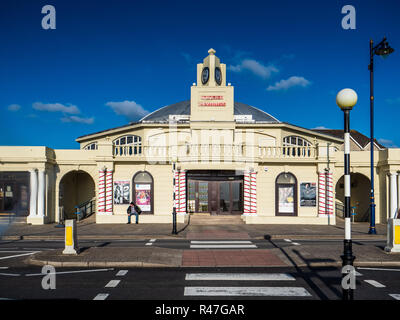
x,y
101,296
149,244
377,269
247,291
122,273
221,242
112,284
10,274
67,272
152,240
395,296
240,276
374,283
4,268
18,255
287,240
296,244
222,246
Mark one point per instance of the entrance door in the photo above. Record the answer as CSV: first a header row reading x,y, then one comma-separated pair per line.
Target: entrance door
x,y
215,197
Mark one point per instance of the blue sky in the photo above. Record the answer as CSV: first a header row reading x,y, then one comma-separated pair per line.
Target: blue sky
x,y
110,62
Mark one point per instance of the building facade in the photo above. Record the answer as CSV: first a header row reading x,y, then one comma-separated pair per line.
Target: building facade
x,y
225,157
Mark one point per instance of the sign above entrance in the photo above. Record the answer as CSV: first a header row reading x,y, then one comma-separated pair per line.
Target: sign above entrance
x,y
212,101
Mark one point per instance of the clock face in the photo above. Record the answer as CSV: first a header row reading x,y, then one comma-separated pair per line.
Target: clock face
x,y
205,74
218,75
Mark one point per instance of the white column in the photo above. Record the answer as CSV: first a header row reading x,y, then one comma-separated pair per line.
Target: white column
x,y
393,194
41,193
33,193
398,190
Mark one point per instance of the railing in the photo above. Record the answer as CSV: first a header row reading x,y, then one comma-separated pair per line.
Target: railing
x,y
85,209
216,151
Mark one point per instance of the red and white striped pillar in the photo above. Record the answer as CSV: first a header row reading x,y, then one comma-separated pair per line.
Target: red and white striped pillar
x,y
247,193
253,193
102,195
109,193
325,193
182,192
176,190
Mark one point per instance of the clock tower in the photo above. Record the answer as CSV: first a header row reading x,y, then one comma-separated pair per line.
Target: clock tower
x,y
211,100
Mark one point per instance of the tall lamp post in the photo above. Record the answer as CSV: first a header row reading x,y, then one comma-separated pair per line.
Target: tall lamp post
x,y
346,99
381,49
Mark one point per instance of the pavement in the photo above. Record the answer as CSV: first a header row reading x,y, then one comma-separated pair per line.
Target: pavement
x,y
313,254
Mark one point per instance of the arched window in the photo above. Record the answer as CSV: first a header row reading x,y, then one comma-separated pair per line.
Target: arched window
x,y
286,195
296,146
128,145
143,191
91,146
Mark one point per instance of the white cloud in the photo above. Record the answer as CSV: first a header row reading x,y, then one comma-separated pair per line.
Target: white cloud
x,y
321,128
293,81
130,109
256,67
387,143
14,107
77,119
393,101
55,107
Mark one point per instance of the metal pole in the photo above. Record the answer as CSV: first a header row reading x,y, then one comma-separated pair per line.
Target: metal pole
x,y
347,256
174,203
372,229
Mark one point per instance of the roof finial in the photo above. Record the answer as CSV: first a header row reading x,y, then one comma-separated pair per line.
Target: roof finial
x,y
211,51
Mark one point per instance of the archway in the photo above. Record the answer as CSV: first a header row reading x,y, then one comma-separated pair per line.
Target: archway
x,y
360,195
77,188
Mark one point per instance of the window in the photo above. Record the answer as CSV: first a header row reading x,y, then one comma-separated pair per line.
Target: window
x,y
296,146
143,191
91,146
286,195
128,145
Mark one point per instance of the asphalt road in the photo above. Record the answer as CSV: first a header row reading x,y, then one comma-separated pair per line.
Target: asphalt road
x,y
21,281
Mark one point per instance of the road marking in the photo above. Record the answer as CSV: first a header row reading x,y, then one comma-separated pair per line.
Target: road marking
x,y
296,244
112,284
10,274
395,296
240,276
222,246
374,283
101,296
247,291
67,272
377,269
150,243
221,242
287,240
122,273
4,267
152,240
18,255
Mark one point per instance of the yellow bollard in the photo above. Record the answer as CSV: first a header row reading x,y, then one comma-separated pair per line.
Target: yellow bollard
x,y
393,236
71,239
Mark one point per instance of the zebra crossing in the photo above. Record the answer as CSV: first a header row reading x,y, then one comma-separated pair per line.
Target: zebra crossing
x,y
245,290
222,244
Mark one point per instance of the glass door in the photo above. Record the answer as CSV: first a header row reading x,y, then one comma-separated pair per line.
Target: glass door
x,y
203,197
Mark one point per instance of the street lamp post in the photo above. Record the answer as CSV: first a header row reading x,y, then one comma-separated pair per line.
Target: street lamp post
x,y
381,49
174,231
346,99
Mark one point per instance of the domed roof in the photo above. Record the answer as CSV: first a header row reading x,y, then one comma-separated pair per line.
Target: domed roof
x,y
183,109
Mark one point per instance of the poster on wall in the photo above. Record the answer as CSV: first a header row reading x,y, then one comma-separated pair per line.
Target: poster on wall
x,y
121,192
308,194
143,196
286,199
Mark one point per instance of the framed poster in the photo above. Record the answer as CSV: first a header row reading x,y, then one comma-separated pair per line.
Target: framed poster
x,y
308,194
143,196
286,199
122,190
